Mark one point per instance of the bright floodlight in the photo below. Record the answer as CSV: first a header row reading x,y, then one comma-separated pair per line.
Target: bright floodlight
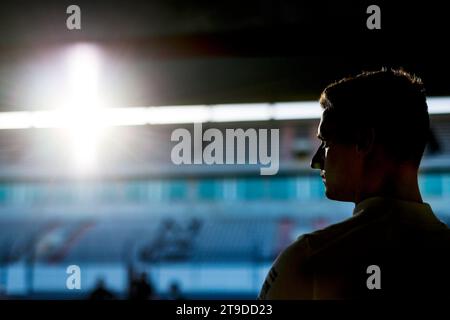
x,y
83,75
83,104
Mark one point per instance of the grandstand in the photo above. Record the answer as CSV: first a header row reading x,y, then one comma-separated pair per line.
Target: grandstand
x,y
214,230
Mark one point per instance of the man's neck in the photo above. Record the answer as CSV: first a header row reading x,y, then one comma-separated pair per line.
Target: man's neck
x,y
401,185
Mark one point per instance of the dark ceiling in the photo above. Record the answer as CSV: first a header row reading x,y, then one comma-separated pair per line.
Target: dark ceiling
x,y
205,52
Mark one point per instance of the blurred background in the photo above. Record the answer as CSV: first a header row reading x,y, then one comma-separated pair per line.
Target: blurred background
x,y
86,118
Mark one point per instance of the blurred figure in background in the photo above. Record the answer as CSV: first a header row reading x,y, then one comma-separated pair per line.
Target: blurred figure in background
x,y
141,288
175,291
101,293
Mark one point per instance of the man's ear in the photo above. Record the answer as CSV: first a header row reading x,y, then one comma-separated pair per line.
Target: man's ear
x,y
365,140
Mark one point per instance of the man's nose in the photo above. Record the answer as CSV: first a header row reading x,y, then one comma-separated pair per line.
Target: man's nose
x,y
317,159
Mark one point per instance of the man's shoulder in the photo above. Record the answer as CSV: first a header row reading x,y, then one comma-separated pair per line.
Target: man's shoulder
x,y
297,254
289,277
286,278
318,239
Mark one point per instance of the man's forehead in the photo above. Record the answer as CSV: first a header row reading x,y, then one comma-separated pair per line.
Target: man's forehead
x,y
327,126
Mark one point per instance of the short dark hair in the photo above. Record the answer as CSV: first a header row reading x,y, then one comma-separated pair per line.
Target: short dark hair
x,y
391,102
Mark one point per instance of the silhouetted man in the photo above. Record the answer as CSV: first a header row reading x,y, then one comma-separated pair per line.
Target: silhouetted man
x,y
373,130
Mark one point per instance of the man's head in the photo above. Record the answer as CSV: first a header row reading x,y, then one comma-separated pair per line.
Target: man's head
x,y
374,126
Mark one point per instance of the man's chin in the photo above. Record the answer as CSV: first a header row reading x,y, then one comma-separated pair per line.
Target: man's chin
x,y
335,196
330,195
